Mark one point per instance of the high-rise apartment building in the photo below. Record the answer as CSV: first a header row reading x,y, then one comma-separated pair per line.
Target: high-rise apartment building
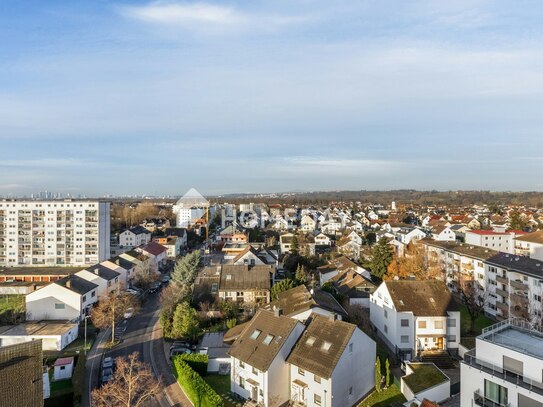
x,y
54,233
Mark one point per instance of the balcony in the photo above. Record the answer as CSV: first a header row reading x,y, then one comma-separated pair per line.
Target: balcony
x,y
518,285
470,359
519,298
502,306
503,293
501,279
480,400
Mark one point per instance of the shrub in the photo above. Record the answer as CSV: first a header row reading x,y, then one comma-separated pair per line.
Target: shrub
x,y
197,362
78,379
198,391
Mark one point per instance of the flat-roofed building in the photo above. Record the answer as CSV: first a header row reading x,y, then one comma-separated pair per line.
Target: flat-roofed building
x,y
505,367
54,233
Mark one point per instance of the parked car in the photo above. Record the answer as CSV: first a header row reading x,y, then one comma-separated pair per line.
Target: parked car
x,y
107,375
182,344
133,291
129,313
107,363
165,279
179,351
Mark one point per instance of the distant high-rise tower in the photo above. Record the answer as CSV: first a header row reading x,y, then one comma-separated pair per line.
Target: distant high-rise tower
x,y
393,205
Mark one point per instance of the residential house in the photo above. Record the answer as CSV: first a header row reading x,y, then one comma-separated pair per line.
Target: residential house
x,y
157,255
321,239
332,364
354,287
337,265
172,245
135,236
141,261
248,256
259,369
54,335
505,367
126,265
105,278
443,234
180,233
500,241
415,316
66,299
300,303
154,224
308,223
246,284
408,235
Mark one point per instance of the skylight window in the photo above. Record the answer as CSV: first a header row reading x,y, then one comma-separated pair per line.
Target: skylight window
x,y
278,339
229,276
267,340
310,341
256,333
326,346
432,299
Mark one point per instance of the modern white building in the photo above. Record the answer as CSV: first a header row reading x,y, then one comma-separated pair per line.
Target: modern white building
x,y
505,367
67,299
415,316
54,233
106,279
54,335
191,207
530,245
500,241
332,364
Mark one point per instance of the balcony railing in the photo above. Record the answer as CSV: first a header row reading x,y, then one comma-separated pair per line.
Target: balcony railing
x,y
502,306
501,292
502,280
470,359
481,400
519,285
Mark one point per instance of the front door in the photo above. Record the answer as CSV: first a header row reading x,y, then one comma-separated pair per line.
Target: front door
x,y
254,396
440,343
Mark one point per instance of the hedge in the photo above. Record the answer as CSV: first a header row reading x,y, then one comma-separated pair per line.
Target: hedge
x,y
197,362
78,379
197,390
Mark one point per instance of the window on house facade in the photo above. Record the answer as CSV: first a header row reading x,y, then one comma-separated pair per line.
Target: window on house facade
x,y
241,364
404,339
386,313
241,382
438,324
60,306
451,338
301,372
386,329
350,348
317,399
451,322
317,378
404,322
422,324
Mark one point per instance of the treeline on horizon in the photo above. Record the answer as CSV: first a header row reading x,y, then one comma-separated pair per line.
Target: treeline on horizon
x,y
404,198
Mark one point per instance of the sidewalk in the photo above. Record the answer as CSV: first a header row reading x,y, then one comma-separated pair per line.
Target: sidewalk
x,y
94,356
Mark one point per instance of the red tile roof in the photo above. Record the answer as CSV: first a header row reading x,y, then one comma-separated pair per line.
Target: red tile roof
x,y
154,248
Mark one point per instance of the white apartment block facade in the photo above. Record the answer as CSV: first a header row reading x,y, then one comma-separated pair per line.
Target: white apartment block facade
x,y
500,241
505,367
54,233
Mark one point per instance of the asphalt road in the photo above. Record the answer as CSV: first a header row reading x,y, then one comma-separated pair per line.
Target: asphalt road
x,y
143,335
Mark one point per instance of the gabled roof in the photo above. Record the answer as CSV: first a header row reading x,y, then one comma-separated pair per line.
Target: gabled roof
x,y
300,299
250,347
422,298
179,232
103,272
76,284
347,282
244,252
136,255
137,230
154,248
321,345
340,263
122,262
245,277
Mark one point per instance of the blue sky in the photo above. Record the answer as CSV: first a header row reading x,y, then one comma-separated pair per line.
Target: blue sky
x,y
119,97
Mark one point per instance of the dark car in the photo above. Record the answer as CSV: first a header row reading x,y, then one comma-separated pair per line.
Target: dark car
x,y
107,375
179,351
182,344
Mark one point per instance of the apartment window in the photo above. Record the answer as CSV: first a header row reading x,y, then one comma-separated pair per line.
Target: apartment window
x,y
422,324
84,298
317,399
404,322
495,393
241,382
451,322
255,370
451,338
301,372
317,378
537,297
241,364
404,339
386,313
59,306
93,294
438,324
350,348
386,329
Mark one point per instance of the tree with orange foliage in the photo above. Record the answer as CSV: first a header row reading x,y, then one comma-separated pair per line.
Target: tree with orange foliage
x,y
412,265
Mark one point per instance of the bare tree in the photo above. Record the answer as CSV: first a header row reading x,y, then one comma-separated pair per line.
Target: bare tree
x,y
111,308
474,297
133,385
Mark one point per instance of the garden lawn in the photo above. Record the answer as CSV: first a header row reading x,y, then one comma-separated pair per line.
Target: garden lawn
x,y
481,322
385,397
221,384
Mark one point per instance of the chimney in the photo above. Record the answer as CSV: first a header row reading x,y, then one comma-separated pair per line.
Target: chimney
x,y
277,311
312,292
332,317
96,271
68,283
118,262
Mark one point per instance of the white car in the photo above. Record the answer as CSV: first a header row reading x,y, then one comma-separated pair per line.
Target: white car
x,y
129,312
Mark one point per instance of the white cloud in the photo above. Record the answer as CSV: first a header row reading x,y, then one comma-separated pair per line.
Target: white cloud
x,y
182,13
335,166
